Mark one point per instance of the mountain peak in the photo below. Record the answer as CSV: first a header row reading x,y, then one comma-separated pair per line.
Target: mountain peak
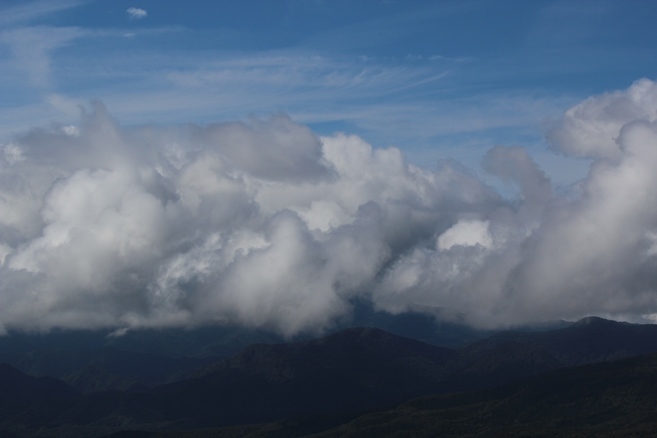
x,y
594,320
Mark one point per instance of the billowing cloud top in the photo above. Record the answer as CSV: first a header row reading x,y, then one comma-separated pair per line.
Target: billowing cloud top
x,y
136,13
262,223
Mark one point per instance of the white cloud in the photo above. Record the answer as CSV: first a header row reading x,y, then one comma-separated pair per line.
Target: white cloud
x,y
13,154
224,222
466,233
591,129
262,223
553,257
136,13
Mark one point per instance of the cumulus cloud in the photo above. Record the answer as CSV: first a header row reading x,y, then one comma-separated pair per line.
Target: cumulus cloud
x,y
263,223
591,129
136,13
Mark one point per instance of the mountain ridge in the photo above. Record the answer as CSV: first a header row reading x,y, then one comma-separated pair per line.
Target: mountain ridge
x,y
339,375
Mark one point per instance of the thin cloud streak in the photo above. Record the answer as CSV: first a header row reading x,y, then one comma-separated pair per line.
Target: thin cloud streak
x,y
29,11
317,89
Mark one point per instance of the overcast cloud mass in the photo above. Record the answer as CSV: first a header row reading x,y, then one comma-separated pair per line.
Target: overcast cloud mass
x,y
264,223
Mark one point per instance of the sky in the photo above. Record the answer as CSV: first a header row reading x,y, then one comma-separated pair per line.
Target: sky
x,y
269,163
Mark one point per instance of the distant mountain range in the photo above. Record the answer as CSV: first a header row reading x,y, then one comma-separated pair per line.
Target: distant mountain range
x,y
320,385
610,399
99,360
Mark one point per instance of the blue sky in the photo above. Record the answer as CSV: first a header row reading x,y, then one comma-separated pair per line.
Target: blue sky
x,y
438,79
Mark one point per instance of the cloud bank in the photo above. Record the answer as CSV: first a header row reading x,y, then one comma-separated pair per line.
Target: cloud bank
x,y
264,224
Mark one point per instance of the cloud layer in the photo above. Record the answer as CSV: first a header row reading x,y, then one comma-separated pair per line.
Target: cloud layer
x,y
264,224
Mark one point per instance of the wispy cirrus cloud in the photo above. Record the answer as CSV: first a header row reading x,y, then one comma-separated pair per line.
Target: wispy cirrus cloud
x,y
28,11
30,46
31,49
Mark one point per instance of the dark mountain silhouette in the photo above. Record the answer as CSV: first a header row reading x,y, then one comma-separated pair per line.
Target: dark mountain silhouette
x,y
421,326
509,356
353,370
93,361
588,340
612,399
18,390
107,368
609,399
99,360
327,380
